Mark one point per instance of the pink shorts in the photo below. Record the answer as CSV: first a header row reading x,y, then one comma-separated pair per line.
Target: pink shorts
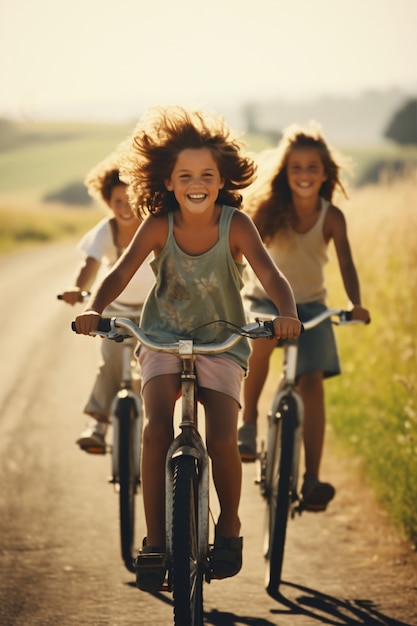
x,y
213,372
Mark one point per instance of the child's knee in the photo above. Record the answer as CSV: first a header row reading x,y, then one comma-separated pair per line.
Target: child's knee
x,y
157,435
222,447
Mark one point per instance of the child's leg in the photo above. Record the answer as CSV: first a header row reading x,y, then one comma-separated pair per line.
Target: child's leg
x,y
221,428
157,437
107,381
255,380
99,403
314,491
312,392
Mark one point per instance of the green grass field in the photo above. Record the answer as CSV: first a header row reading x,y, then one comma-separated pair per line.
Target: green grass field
x,y
49,156
372,407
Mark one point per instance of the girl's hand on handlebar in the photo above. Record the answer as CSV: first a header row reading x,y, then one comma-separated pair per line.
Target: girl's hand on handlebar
x,y
72,296
87,322
287,327
360,314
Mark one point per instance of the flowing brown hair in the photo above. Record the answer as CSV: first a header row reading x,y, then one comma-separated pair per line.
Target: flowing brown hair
x,y
152,151
101,179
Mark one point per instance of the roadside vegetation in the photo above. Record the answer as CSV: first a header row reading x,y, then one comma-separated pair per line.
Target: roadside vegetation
x,y
372,408
22,228
373,405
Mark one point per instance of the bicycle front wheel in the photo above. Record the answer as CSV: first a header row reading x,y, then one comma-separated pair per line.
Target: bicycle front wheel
x,y
280,494
187,570
126,414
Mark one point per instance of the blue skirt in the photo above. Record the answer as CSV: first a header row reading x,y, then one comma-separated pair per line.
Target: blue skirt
x,y
317,349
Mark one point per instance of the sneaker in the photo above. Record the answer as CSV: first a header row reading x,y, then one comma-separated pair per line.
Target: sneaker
x,y
92,439
246,441
150,566
317,495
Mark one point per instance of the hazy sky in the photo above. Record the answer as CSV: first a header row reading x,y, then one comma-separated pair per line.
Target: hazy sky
x,y
105,58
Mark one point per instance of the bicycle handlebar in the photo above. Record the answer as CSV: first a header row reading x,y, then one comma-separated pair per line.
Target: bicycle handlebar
x,y
108,327
345,317
115,307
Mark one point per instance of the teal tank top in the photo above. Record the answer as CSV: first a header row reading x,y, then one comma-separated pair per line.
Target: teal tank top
x,y
190,291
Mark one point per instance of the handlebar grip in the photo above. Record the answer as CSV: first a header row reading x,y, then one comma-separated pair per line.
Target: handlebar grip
x,y
348,317
104,324
269,325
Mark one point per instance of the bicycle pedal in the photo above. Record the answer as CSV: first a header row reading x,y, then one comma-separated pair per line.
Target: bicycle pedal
x,y
151,572
312,507
247,457
94,450
150,560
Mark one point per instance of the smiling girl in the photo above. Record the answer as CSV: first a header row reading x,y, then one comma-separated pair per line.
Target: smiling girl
x,y
183,171
297,220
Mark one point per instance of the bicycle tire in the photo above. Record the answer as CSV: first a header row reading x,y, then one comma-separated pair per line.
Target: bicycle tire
x,y
269,471
126,414
187,570
280,497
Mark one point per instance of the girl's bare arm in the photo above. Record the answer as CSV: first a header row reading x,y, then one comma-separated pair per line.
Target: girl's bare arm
x,y
146,239
336,228
86,275
244,238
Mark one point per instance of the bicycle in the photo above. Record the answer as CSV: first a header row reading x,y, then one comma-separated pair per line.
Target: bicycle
x,y
278,464
127,425
188,549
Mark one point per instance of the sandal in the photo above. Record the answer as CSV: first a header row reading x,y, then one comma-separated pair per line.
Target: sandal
x,y
226,556
150,566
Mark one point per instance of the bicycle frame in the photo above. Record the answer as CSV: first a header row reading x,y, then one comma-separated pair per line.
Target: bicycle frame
x,y
187,551
127,423
279,466
288,388
189,443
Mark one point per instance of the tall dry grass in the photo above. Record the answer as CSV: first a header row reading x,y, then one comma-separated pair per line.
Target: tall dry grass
x,y
372,407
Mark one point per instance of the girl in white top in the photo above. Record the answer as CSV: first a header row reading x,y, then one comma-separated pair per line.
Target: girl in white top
x,y
101,247
294,213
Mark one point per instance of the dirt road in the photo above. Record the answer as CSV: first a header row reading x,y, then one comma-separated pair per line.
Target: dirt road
x,y
59,550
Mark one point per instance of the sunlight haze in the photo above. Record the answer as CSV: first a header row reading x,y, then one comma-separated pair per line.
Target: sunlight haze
x,y
107,60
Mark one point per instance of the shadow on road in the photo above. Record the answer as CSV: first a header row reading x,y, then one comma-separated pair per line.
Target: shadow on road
x,y
329,610
308,602
225,618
